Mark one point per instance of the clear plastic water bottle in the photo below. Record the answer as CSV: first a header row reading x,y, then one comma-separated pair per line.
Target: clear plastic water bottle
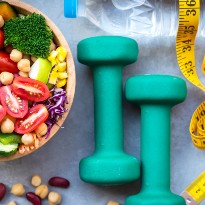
x,y
131,17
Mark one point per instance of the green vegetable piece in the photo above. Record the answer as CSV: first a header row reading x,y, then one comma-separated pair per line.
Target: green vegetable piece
x,y
6,150
10,138
29,34
40,70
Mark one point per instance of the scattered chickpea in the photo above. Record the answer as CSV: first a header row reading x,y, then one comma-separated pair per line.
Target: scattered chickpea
x,y
6,78
27,139
16,55
23,74
112,203
7,126
52,46
42,191
41,130
33,59
36,180
18,189
12,203
54,198
24,65
1,21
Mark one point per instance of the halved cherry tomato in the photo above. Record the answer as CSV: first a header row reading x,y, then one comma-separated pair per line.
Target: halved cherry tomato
x,y
6,64
1,39
2,112
14,105
30,89
35,116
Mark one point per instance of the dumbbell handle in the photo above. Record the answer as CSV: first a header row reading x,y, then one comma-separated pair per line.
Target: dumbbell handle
x,y
155,147
108,108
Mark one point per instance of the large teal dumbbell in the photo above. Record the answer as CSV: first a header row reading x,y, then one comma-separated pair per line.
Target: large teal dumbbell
x,y
109,164
156,95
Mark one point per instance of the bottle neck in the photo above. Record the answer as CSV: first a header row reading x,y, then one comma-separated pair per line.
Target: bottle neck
x,y
81,12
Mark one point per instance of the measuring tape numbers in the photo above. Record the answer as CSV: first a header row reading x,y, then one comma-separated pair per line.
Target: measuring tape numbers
x,y
195,192
189,16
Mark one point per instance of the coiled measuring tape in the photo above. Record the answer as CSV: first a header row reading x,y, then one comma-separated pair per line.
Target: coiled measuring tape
x,y
189,16
195,192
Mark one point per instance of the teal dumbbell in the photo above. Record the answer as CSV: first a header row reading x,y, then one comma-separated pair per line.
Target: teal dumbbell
x,y
156,95
106,56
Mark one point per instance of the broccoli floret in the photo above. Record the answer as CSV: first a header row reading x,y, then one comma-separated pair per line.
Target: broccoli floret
x,y
29,34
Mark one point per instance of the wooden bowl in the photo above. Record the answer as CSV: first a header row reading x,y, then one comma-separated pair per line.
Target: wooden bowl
x,y
70,86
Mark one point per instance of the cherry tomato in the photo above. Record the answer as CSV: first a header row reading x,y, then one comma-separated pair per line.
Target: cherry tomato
x,y
6,64
30,89
2,112
1,39
14,105
35,116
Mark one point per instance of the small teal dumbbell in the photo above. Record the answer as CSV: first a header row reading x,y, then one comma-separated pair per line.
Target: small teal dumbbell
x,y
109,164
156,95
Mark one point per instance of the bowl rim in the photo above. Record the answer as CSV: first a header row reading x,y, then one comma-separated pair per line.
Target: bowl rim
x,y
25,8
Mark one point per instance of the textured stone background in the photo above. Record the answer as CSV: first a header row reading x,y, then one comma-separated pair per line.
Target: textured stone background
x,y
61,155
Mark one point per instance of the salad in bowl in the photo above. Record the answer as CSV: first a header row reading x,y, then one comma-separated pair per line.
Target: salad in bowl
x,y
37,79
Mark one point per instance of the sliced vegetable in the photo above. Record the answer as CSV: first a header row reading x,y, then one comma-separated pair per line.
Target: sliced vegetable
x,y
40,70
62,53
1,39
56,107
53,77
12,138
6,150
14,105
30,89
35,116
7,11
2,112
61,83
6,64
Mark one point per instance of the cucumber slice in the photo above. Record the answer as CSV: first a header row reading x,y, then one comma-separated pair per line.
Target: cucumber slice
x,y
40,70
6,150
11,138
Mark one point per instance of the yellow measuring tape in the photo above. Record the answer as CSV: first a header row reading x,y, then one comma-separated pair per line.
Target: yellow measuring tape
x,y
195,192
189,16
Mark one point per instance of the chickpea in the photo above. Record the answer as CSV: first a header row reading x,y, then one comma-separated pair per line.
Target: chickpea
x,y
41,130
23,74
42,191
54,198
16,55
7,126
18,189
33,59
52,46
1,21
27,139
12,203
6,78
36,180
24,65
112,203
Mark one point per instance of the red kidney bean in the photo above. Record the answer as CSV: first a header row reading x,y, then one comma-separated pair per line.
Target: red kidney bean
x,y
33,198
59,182
2,191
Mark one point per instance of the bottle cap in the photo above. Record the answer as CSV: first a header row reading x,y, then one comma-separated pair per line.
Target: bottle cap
x,y
70,8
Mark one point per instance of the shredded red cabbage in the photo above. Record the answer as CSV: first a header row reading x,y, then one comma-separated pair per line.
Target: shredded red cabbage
x,y
55,106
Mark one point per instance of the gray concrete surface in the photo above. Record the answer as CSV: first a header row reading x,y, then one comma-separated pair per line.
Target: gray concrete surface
x,y
62,154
